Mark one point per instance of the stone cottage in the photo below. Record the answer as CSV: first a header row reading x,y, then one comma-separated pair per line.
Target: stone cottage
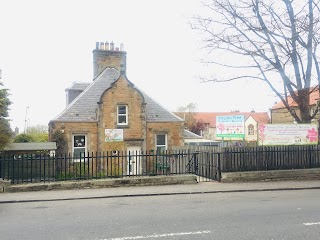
x,y
112,114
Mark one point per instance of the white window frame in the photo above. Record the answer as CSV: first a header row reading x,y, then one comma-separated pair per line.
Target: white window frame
x,y
250,127
161,145
121,114
73,145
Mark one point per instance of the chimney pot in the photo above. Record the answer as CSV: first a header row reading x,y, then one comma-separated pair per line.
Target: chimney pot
x,y
101,46
97,45
107,56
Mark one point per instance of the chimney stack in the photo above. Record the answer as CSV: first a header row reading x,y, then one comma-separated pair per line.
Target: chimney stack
x,y
108,55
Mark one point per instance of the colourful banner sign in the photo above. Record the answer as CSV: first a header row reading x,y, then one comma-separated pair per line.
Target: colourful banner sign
x,y
230,126
113,135
288,134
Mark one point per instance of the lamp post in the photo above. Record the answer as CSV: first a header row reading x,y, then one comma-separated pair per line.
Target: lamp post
x,y
25,120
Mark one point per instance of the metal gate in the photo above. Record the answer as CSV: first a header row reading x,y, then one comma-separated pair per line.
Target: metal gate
x,y
206,165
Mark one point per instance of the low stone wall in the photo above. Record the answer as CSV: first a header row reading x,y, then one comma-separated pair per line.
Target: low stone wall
x,y
275,175
4,184
102,183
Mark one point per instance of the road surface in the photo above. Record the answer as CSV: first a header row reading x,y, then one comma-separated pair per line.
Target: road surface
x,y
246,215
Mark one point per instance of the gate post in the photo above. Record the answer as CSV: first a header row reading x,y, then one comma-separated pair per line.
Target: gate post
x,y
195,164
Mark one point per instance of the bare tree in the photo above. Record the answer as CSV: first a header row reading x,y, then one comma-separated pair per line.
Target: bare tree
x,y
277,41
187,114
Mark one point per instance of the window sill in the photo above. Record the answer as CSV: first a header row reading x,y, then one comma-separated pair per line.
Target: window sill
x,y
123,126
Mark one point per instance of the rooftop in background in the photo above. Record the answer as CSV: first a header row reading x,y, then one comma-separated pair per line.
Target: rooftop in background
x,y
210,117
190,135
314,97
191,138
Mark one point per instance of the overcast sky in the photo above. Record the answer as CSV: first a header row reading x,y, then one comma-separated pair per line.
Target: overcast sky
x,y
45,46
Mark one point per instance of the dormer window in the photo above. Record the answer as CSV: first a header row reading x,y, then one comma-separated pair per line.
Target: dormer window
x,y
122,115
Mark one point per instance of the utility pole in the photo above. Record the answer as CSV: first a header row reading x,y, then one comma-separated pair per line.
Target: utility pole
x,y
25,121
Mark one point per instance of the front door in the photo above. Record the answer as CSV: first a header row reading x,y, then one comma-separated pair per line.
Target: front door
x,y
134,160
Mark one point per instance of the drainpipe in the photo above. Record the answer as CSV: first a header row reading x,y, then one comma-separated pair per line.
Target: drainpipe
x,y
99,125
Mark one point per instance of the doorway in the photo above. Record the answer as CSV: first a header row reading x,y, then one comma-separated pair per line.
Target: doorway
x,y
134,161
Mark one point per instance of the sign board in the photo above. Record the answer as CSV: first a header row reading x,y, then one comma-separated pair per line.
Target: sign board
x,y
288,134
230,126
113,135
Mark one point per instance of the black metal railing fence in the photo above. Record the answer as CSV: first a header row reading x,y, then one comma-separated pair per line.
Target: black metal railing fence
x,y
207,163
30,168
264,158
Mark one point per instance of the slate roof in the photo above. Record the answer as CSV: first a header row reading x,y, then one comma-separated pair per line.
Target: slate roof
x,y
78,86
157,113
190,135
84,107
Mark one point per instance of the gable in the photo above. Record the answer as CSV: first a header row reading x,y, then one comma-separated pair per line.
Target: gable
x,y
124,90
250,120
84,107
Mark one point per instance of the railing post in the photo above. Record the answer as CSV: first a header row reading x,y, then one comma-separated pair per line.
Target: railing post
x,y
2,166
195,164
310,156
219,168
13,168
129,166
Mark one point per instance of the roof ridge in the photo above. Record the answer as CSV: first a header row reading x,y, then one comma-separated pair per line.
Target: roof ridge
x,y
100,74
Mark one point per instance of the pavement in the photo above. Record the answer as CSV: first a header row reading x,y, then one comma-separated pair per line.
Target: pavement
x,y
143,191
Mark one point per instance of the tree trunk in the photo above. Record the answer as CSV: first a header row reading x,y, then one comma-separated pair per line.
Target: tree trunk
x,y
303,104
